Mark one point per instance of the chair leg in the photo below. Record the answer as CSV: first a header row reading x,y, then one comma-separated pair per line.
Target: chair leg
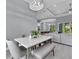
x,y
12,57
53,52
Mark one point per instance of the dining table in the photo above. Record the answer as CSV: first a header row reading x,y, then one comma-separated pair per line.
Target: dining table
x,y
30,42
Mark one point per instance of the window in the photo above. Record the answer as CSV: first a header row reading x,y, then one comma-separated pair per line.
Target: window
x,y
67,27
52,28
60,28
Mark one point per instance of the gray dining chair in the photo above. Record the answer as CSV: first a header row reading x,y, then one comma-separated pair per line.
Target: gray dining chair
x,y
15,51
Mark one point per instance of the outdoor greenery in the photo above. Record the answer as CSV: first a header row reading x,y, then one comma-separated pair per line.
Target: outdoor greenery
x,y
67,28
52,28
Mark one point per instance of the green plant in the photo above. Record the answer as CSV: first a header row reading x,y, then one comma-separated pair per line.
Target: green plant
x,y
34,33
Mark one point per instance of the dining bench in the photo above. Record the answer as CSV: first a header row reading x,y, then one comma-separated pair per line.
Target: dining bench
x,y
42,52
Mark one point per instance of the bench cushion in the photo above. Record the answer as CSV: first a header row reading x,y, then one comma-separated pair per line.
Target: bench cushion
x,y
41,52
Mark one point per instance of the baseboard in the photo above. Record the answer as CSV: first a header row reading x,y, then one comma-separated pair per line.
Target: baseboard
x,y
62,44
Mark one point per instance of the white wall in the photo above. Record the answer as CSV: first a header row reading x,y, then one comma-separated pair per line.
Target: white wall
x,y
62,38
63,20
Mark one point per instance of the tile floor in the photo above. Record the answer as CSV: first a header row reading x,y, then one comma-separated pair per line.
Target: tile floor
x,y
61,52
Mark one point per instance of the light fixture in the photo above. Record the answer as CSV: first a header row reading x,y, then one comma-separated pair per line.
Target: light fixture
x,y
35,5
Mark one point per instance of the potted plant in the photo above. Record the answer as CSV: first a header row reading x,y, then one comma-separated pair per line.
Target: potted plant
x,y
34,34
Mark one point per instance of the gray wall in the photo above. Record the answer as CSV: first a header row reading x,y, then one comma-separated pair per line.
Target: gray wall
x,y
19,19
17,26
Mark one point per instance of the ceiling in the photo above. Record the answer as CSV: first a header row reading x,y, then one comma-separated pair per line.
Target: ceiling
x,y
52,8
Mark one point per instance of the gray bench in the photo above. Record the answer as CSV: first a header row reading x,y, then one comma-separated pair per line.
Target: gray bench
x,y
43,51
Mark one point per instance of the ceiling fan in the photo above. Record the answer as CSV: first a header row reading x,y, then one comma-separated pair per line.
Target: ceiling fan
x,y
35,5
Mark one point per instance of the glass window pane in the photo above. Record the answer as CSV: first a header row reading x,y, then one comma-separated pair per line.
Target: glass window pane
x,y
60,28
67,28
52,28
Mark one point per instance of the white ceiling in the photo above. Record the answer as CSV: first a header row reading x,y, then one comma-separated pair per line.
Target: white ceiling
x,y
52,8
58,6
